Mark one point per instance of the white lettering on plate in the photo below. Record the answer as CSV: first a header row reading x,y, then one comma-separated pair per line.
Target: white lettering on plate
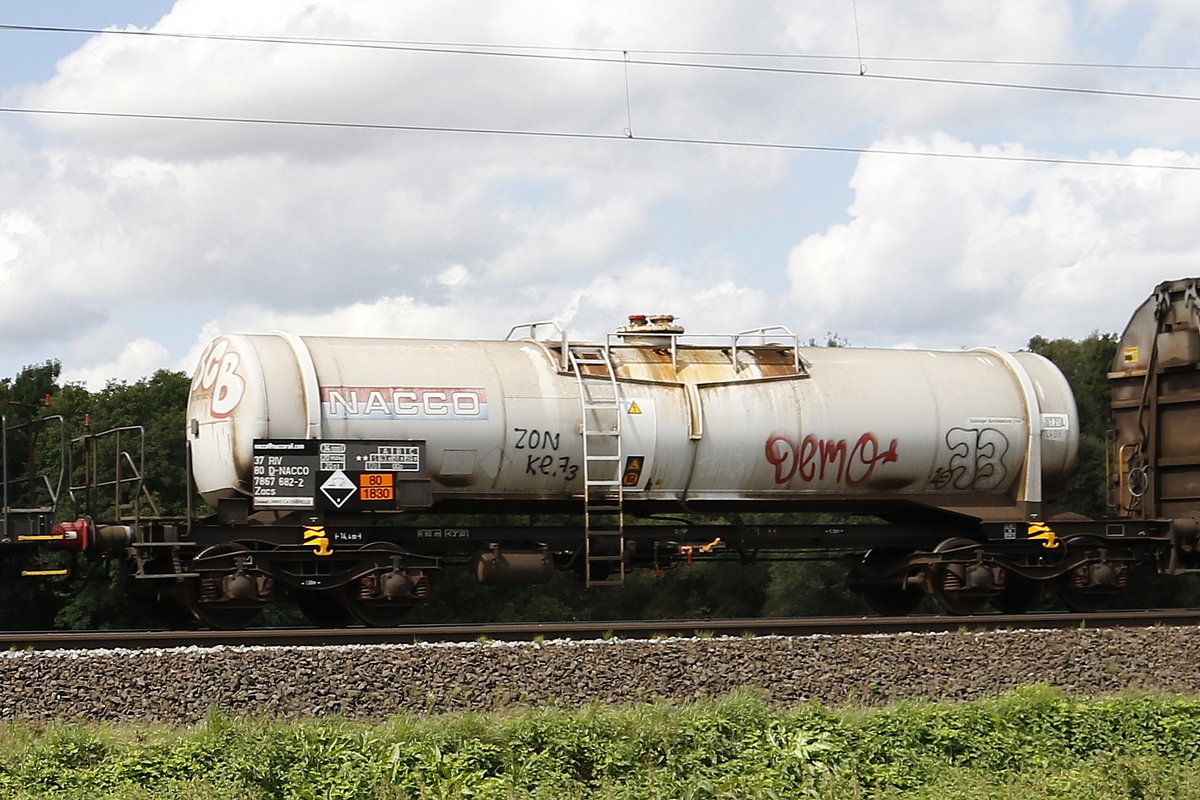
x,y
404,402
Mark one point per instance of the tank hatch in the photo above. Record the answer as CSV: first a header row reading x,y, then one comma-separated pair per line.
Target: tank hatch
x,y
652,326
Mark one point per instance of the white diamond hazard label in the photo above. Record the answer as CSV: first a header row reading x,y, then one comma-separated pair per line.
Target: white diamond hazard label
x,y
338,488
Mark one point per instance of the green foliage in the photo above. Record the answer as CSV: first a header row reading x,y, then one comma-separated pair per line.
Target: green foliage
x,y
809,588
157,404
1085,364
24,396
832,339
40,415
23,401
1032,743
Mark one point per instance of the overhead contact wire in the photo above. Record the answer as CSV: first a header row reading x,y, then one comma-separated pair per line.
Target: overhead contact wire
x,y
381,126
456,46
509,51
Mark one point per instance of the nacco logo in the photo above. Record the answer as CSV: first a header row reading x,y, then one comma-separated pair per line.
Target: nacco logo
x,y
218,375
404,402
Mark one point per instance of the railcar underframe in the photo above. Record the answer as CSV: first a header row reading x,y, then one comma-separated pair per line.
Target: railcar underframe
x,y
373,574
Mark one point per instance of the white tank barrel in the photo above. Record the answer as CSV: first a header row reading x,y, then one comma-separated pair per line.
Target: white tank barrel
x,y
704,419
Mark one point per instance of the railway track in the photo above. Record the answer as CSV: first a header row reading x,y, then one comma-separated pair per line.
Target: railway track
x,y
625,629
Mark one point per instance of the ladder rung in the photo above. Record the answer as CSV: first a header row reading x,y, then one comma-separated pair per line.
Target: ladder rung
x,y
603,502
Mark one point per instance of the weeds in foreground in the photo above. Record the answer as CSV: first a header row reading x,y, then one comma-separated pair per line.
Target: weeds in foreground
x,y
1032,743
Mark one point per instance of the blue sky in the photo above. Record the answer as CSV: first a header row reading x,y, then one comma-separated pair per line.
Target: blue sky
x,y
126,243
29,57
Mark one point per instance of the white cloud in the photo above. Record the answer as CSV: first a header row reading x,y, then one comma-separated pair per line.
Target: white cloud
x,y
136,360
454,275
702,301
141,237
953,253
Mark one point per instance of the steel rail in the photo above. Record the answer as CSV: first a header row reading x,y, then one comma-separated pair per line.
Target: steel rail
x,y
620,629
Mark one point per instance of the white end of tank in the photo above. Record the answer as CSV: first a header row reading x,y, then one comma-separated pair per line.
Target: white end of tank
x,y
226,411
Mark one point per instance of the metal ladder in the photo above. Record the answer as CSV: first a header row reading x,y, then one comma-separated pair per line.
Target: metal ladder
x,y
603,490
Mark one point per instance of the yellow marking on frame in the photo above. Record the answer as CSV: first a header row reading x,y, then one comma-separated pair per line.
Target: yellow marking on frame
x,y
42,573
314,535
1039,530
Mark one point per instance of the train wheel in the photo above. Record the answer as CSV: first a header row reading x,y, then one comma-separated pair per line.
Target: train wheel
x,y
203,597
1081,599
892,600
951,582
375,613
225,619
384,598
324,609
173,614
1018,596
1089,586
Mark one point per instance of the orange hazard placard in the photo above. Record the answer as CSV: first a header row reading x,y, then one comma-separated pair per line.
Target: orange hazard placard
x,y
377,486
633,471
376,479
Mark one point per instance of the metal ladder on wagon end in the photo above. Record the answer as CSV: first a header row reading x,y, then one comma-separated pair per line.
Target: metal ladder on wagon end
x,y
603,490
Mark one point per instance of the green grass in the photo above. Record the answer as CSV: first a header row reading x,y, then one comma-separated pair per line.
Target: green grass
x,y
1033,743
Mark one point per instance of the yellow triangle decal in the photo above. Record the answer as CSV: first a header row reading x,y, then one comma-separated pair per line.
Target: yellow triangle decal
x,y
633,408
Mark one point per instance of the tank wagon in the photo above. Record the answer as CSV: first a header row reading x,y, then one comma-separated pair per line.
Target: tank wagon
x,y
344,472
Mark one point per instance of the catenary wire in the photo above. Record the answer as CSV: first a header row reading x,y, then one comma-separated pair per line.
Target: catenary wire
x,y
625,136
619,57
454,46
530,51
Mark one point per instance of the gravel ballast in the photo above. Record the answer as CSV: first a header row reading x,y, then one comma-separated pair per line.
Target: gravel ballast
x,y
182,685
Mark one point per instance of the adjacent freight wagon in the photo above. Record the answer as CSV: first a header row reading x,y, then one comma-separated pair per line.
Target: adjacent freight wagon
x,y
344,472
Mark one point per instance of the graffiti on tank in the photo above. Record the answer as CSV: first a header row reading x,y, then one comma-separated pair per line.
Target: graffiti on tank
x,y
544,463
218,378
976,460
551,467
534,439
814,459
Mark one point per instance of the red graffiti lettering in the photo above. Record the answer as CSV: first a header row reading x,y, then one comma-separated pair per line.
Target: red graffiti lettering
x,y
816,459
